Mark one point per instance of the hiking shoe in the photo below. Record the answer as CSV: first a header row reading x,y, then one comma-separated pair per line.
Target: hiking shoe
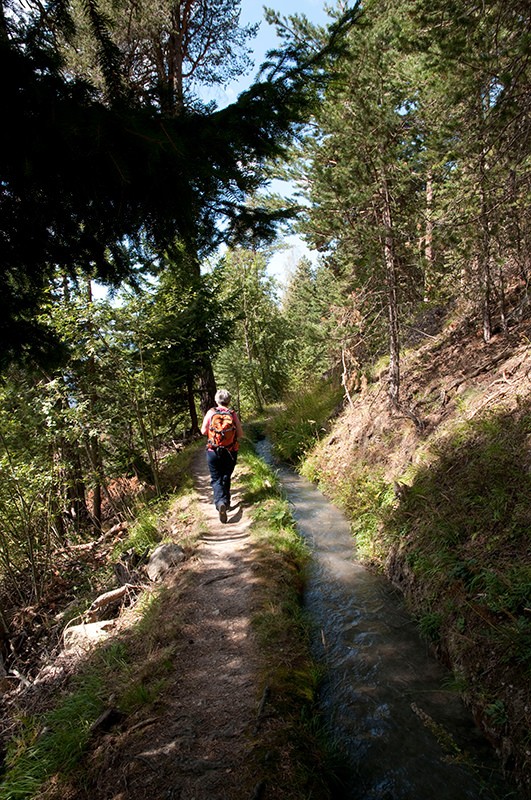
x,y
222,512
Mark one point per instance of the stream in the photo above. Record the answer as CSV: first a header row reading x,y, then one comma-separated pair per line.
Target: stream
x,y
406,736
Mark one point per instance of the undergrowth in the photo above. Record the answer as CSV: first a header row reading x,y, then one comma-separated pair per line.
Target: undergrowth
x,y
123,676
305,420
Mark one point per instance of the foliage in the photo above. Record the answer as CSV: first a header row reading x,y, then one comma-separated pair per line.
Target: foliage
x,y
187,327
253,363
168,55
27,498
305,420
313,338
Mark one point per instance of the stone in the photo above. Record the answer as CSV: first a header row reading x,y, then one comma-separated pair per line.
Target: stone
x,y
81,638
162,559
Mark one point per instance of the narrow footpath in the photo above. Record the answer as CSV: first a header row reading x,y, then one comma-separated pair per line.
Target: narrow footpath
x,y
200,748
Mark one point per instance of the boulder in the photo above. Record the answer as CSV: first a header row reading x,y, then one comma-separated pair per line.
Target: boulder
x,y
81,638
162,559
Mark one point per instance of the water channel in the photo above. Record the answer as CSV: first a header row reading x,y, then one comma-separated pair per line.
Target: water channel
x,y
406,736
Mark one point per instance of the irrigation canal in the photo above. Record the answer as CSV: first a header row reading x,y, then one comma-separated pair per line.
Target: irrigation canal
x,y
405,734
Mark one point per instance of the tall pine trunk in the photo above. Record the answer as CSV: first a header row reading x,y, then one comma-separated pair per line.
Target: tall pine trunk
x,y
207,385
485,276
93,442
428,240
391,280
194,422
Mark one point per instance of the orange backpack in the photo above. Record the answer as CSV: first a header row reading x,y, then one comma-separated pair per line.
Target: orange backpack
x,y
222,429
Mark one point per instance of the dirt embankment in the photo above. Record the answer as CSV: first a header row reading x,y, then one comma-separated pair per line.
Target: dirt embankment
x,y
200,735
440,497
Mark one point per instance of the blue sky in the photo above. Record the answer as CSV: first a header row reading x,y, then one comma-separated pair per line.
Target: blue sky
x,y
282,264
266,39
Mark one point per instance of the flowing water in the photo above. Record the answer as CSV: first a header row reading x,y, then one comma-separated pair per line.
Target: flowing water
x,y
406,735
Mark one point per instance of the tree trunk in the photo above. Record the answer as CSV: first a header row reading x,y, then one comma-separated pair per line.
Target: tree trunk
x,y
207,386
485,277
428,241
76,511
94,454
93,445
194,422
392,298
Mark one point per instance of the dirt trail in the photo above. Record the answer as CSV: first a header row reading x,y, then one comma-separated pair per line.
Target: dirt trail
x,y
200,747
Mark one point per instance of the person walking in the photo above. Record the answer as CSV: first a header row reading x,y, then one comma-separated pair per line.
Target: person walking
x,y
223,428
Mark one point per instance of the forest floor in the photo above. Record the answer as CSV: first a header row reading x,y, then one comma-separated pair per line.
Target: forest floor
x,y
199,744
209,731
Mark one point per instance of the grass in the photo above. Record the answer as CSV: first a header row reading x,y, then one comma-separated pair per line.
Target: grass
x,y
133,671
304,421
176,476
145,533
44,746
298,751
465,516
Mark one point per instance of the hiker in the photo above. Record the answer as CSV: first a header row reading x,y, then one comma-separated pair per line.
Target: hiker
x,y
223,428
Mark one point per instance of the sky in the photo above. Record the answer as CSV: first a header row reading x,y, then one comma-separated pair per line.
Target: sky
x,y
282,264
291,249
252,11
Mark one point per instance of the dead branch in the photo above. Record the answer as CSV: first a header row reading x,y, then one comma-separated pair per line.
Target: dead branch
x,y
120,527
109,597
24,681
144,724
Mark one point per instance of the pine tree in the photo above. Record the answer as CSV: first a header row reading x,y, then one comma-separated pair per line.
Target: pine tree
x,y
253,363
364,193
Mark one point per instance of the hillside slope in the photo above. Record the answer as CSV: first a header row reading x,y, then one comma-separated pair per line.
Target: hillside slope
x,y
440,500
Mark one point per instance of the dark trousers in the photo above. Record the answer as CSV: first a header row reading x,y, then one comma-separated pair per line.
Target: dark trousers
x,y
221,463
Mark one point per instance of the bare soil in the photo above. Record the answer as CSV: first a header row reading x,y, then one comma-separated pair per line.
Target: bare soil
x,y
199,745
198,740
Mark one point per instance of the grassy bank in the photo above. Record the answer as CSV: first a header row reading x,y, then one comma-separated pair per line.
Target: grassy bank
x,y
297,753
450,527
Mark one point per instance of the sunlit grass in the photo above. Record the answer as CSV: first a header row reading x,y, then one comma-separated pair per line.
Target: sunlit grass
x,y
55,743
305,420
290,675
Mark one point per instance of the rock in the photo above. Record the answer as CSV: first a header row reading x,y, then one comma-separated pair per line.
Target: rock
x,y
110,717
80,638
162,559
